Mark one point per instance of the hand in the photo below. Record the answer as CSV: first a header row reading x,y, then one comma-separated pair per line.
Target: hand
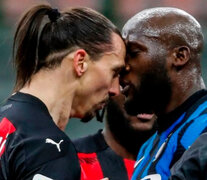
x,y
105,179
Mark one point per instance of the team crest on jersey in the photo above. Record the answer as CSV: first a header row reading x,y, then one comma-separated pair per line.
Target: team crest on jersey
x,y
40,177
6,128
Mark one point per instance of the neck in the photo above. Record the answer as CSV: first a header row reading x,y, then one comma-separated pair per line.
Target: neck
x,y
116,146
56,97
183,89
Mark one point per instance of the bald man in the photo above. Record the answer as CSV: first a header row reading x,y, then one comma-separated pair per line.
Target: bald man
x,y
163,76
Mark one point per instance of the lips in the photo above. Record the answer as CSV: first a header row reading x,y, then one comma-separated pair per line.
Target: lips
x,y
145,116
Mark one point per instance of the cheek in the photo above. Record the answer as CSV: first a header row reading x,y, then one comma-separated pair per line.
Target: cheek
x,y
138,70
101,86
105,80
134,78
100,80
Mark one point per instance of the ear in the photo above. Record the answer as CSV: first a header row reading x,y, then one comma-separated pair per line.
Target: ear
x,y
181,56
80,62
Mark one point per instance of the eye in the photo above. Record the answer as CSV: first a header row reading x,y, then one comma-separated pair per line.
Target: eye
x,y
115,74
134,53
125,70
116,71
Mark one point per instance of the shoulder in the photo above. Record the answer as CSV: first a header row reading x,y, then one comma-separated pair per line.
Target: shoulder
x,y
199,107
195,121
39,154
193,163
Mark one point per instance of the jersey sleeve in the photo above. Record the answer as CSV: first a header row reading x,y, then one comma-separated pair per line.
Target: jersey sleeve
x,y
193,164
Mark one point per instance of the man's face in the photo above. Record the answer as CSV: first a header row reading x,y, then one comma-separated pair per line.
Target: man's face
x,y
148,87
102,79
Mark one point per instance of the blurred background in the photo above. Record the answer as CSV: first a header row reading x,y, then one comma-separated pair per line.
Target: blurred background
x,y
118,11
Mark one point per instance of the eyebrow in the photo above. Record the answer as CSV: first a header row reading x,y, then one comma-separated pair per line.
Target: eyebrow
x,y
136,45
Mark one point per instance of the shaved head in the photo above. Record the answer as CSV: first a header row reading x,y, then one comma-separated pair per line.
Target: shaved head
x,y
172,26
163,60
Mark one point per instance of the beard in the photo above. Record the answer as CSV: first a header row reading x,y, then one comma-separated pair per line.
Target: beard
x,y
119,124
153,94
88,116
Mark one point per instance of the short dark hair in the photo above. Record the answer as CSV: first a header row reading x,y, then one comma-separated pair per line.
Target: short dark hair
x,y
42,40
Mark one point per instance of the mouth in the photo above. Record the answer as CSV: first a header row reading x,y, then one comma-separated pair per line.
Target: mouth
x,y
145,116
101,105
137,104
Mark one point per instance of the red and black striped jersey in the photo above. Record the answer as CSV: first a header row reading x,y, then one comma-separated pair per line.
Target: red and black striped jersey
x,y
32,147
98,160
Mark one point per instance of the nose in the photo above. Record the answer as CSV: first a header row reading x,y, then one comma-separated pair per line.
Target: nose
x,y
115,87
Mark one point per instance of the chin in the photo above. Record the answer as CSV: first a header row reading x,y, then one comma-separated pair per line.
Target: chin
x,y
88,116
142,124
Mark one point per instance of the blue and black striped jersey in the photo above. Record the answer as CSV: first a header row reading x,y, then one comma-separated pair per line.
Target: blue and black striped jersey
x,y
167,145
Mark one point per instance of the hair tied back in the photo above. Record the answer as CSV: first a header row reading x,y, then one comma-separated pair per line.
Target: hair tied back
x,y
53,15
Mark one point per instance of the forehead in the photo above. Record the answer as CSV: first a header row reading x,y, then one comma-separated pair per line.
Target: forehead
x,y
118,45
135,31
139,43
118,52
142,39
148,23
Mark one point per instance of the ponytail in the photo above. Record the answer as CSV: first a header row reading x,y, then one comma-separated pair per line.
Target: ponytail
x,y
26,42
